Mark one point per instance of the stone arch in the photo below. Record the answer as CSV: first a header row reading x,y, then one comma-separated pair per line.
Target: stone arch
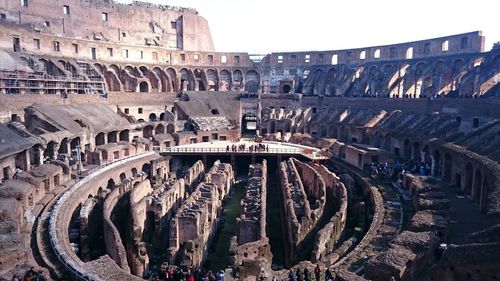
x,y
417,155
124,135
111,184
100,139
252,81
200,79
152,117
99,67
147,132
173,81
49,152
113,137
170,129
212,80
63,147
187,79
143,87
160,129
224,80
123,177
146,168
134,172
237,79
164,85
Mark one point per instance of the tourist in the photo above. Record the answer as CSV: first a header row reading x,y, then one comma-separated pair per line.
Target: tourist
x,y
190,276
292,276
300,276
220,275
328,275
317,272
236,272
307,275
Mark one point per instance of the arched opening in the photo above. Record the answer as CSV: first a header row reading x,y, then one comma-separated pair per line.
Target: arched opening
x,y
160,129
49,152
123,177
447,167
113,137
111,184
469,173
100,139
416,152
152,117
146,168
147,132
437,164
162,116
478,184
143,87
134,172
249,124
287,89
63,147
124,135
170,129
407,149
426,154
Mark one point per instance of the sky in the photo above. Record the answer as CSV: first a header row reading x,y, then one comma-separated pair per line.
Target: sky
x,y
264,26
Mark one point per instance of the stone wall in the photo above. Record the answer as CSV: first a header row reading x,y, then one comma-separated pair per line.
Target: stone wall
x,y
327,238
192,228
251,242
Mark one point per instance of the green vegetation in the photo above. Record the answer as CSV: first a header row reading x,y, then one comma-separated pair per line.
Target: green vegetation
x,y
218,254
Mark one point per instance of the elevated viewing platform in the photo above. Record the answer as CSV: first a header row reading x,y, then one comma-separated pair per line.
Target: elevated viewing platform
x,y
246,148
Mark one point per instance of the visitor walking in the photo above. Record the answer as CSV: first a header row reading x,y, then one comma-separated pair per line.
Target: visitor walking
x,y
292,276
220,275
328,275
317,272
307,275
300,276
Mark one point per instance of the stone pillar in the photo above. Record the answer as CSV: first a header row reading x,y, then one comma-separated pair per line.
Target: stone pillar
x,y
433,166
55,151
40,155
27,160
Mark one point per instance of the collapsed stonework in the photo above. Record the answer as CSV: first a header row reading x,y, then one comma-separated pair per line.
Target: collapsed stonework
x,y
251,242
194,223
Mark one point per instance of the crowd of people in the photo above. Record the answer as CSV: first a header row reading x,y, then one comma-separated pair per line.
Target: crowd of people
x,y
252,148
385,171
172,273
169,273
30,275
305,274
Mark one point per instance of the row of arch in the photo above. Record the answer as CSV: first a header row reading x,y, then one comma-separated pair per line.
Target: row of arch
x,y
144,79
471,176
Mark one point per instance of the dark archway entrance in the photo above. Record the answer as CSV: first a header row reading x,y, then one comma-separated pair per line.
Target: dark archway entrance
x,y
287,88
249,124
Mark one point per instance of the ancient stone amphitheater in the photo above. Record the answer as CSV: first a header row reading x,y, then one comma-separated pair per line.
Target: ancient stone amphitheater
x,y
129,147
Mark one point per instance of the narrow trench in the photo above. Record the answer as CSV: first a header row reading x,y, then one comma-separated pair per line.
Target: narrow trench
x,y
275,231
218,253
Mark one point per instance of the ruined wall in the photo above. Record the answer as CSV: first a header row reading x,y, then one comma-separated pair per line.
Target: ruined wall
x,y
251,239
139,202
327,238
192,227
114,245
138,23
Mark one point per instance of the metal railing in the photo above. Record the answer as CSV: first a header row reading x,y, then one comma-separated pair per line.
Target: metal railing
x,y
309,153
